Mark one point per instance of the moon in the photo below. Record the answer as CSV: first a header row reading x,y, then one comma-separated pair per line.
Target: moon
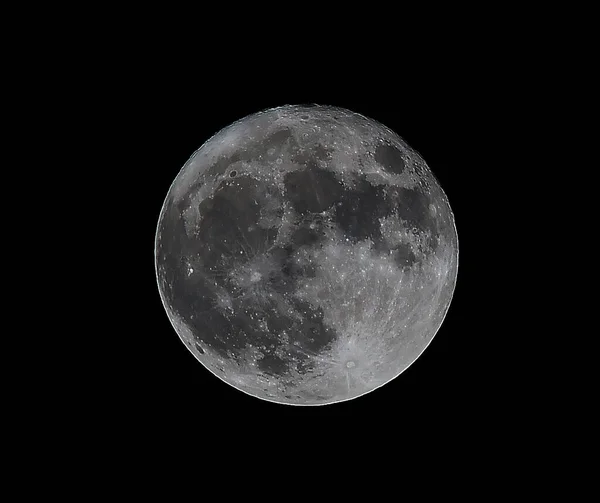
x,y
306,255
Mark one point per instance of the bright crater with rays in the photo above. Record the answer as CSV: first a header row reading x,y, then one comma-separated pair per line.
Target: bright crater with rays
x,y
306,255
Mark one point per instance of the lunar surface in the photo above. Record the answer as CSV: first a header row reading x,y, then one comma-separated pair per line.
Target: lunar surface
x,y
306,255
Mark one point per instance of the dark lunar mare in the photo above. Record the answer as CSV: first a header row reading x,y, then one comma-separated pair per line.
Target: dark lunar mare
x,y
359,210
229,226
403,256
412,207
229,232
312,190
390,158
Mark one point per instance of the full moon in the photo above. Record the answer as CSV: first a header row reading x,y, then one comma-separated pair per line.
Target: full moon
x,y
306,255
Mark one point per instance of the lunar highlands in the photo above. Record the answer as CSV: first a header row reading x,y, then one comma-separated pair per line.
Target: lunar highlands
x,y
306,255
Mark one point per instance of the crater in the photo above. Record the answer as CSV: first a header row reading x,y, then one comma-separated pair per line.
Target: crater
x,y
390,158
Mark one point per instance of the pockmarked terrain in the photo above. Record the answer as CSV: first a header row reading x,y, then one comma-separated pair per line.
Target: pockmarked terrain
x,y
306,255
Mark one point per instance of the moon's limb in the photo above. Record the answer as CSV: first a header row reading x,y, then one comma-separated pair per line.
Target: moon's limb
x,y
306,255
